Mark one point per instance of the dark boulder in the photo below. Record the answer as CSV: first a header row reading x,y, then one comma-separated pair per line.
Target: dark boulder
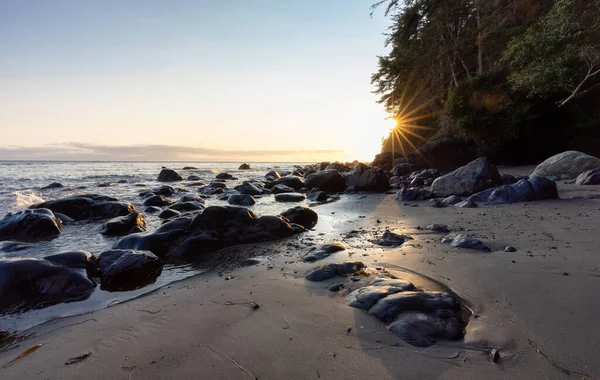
x,y
590,177
75,260
388,308
293,181
525,190
272,175
303,216
367,178
224,176
329,181
30,226
249,188
152,209
279,189
164,190
290,197
88,206
464,241
182,206
241,200
123,270
245,167
169,175
193,178
317,195
333,270
413,194
169,213
158,200
342,168
390,239
323,251
53,185
508,179
124,225
189,168
402,169
474,177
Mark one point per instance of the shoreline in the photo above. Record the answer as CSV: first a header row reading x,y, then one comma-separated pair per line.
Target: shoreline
x,y
204,325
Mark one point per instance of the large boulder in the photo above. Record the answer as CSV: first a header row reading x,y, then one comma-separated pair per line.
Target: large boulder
x,y
249,188
476,176
241,200
590,177
169,175
402,169
368,178
124,225
30,225
35,283
88,206
293,181
158,200
329,181
122,270
566,165
75,260
303,216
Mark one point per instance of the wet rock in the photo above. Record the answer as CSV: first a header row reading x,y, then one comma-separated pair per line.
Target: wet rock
x,y
193,178
35,283
189,168
211,189
303,216
590,177
30,226
474,177
224,176
452,200
317,195
241,200
169,175
329,181
423,330
464,241
289,197
187,206
365,298
123,270
191,198
466,204
323,251
152,209
438,228
390,239
53,185
245,167
402,169
508,248
413,194
293,181
367,178
390,307
88,206
249,189
566,165
158,200
332,270
280,189
164,190
335,287
169,213
124,225
75,260
272,175
12,246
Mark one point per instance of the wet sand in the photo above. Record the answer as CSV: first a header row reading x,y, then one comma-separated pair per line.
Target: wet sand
x,y
538,306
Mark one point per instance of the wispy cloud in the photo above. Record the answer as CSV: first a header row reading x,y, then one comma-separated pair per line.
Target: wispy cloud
x,y
156,152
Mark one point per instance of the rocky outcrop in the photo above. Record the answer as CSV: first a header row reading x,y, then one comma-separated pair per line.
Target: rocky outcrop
x,y
474,177
88,206
566,165
122,270
124,225
169,175
367,178
303,216
30,226
590,177
329,181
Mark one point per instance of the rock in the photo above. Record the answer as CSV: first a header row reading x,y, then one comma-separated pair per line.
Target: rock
x,y
164,190
566,165
508,179
402,169
525,190
193,178
329,181
75,260
88,206
463,241
249,188
30,226
390,239
333,270
438,228
191,198
590,177
224,176
189,168
339,167
289,197
53,185
425,175
317,195
466,204
241,200
508,248
474,177
187,206
367,178
12,246
124,225
293,181
436,203
365,298
323,251
152,210
452,200
158,200
494,355
245,167
169,213
272,175
390,307
303,216
279,189
123,270
169,175
335,287
27,284
211,189
423,330
413,194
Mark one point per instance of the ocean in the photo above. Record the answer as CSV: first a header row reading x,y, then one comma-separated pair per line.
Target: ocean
x,y
21,185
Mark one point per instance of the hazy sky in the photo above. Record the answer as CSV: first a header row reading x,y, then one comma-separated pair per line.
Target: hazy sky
x,y
252,80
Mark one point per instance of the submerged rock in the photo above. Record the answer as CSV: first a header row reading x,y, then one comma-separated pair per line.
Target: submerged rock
x,y
476,176
122,270
464,241
323,251
75,260
124,225
169,213
88,206
30,226
566,165
53,185
245,167
169,175
303,216
224,176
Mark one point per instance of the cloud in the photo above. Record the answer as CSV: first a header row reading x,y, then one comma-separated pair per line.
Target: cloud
x,y
156,152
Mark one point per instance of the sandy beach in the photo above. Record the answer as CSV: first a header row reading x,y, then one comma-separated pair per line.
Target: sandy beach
x,y
537,306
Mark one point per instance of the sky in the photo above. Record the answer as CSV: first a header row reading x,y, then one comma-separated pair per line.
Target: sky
x,y
219,80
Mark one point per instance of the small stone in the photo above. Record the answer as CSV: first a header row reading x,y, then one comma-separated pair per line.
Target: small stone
x,y
510,249
335,287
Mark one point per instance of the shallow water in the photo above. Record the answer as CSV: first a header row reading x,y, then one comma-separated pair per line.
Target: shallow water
x,y
21,184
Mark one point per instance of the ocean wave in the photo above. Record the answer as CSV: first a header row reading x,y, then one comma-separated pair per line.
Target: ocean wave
x,y
26,198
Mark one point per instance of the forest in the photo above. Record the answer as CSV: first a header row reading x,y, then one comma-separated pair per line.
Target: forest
x,y
513,80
